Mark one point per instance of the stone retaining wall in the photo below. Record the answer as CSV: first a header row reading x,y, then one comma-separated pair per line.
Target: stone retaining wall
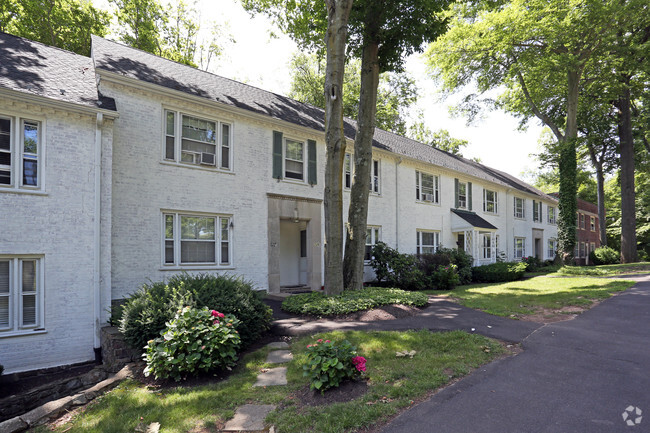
x,y
115,352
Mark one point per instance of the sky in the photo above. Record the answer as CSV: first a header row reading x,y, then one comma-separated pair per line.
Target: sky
x,y
260,56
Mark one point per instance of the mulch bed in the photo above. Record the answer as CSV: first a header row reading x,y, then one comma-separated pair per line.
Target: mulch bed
x,y
347,391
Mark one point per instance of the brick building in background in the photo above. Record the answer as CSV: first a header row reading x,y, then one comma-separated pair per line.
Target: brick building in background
x,y
587,230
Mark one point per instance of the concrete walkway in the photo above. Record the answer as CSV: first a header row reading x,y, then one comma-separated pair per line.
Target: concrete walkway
x,y
590,374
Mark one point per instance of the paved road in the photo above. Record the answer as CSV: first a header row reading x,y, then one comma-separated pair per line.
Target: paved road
x,y
574,376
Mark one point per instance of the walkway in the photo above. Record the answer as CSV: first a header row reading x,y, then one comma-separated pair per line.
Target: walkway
x,y
590,374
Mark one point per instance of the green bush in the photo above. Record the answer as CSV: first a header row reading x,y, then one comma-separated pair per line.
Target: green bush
x,y
316,303
604,256
532,263
329,364
461,259
445,277
499,272
147,311
196,340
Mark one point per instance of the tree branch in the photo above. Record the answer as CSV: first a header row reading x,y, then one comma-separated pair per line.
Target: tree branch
x,y
543,117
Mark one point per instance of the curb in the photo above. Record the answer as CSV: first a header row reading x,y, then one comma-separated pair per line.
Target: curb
x,y
54,408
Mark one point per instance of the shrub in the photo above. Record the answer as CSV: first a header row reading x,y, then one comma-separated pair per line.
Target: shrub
x,y
604,256
329,364
195,340
349,301
396,269
462,260
532,263
499,272
445,277
147,311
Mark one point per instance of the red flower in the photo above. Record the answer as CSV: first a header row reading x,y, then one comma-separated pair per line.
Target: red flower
x,y
359,363
320,340
214,313
221,315
327,341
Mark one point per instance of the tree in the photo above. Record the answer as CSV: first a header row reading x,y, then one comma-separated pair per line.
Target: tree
x,y
440,139
396,91
139,23
538,51
66,24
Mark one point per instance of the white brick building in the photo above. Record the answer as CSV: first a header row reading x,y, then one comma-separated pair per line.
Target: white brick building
x,y
201,173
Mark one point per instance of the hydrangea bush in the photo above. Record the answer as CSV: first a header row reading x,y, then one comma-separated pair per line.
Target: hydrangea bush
x,y
196,340
329,364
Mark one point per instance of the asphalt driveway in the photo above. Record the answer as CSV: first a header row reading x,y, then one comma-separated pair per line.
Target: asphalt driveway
x,y
575,376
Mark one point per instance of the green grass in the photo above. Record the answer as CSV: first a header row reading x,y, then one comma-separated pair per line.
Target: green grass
x,y
531,295
316,303
440,357
607,270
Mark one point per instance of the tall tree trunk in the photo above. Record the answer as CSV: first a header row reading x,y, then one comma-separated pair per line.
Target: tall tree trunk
x,y
600,187
338,12
355,239
626,143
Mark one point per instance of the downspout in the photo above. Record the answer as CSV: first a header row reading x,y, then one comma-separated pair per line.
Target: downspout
x,y
97,347
398,161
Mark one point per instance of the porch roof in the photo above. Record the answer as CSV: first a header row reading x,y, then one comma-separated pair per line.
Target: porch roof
x,y
471,219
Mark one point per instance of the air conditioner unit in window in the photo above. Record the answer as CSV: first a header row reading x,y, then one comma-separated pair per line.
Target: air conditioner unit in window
x,y
427,197
207,158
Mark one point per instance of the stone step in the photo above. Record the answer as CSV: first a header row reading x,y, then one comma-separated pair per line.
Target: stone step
x,y
278,345
279,357
272,377
249,418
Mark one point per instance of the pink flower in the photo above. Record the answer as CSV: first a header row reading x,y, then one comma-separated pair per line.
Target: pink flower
x,y
221,315
308,346
216,322
202,347
214,313
320,340
359,363
327,341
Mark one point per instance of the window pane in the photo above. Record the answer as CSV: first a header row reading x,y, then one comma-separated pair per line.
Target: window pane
x,y
225,222
171,123
4,277
199,130
294,150
427,238
169,226
29,276
5,134
225,253
29,310
4,311
5,177
30,137
225,135
169,251
169,148
30,172
293,169
197,228
197,252
5,158
427,184
225,157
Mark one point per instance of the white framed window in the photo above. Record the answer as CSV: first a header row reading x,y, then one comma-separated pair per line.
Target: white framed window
x,y
489,201
294,159
520,208
462,195
519,248
551,215
347,171
487,245
592,223
537,211
196,239
197,141
426,187
582,221
582,249
21,294
552,248
21,153
427,242
373,234
374,177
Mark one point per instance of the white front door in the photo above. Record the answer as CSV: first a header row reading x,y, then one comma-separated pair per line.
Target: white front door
x,y
289,253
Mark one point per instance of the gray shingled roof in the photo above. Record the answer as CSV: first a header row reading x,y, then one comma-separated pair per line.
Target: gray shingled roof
x,y
37,69
133,63
473,219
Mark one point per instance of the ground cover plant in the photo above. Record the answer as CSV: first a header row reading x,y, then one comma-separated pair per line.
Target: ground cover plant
x,y
393,383
607,270
499,272
350,301
532,295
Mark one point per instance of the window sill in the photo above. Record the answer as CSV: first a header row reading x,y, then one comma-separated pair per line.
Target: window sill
x,y
197,268
430,203
520,218
197,167
22,333
11,190
294,181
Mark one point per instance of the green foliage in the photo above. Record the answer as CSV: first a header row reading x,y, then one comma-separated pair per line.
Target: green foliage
x,y
139,23
440,139
147,310
328,364
568,203
461,259
533,264
499,272
604,256
197,340
66,24
445,277
395,94
349,301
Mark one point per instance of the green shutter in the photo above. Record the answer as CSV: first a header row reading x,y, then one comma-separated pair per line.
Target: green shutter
x,y
277,155
535,211
456,193
469,195
311,162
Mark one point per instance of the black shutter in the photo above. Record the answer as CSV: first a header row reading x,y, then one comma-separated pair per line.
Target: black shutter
x,y
311,162
456,193
277,155
469,195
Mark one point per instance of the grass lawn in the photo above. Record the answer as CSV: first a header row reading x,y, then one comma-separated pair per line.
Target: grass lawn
x,y
536,294
607,270
393,383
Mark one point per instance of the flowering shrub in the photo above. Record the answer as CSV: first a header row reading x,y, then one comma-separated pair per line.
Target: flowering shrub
x,y
328,364
532,263
445,277
195,340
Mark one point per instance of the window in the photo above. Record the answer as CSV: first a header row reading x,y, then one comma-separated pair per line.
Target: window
x,y
192,140
489,201
461,195
552,248
537,211
294,160
519,208
487,245
427,242
592,223
551,215
372,237
20,153
196,239
520,248
347,171
21,294
582,221
426,187
374,176
582,249
593,247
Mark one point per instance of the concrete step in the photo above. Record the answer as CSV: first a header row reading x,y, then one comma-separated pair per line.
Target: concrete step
x,y
279,357
272,377
249,418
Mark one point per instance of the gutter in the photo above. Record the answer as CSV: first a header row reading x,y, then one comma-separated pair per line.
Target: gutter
x,y
56,104
97,347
